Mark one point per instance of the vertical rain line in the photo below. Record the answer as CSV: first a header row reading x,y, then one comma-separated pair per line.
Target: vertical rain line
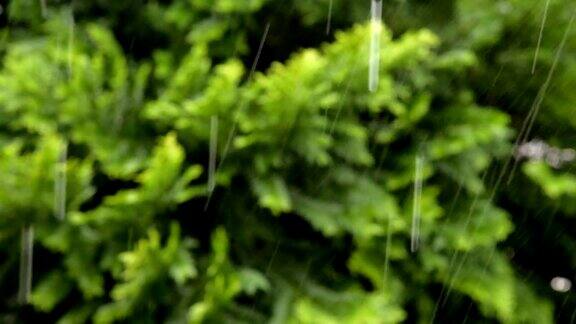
x,y
26,254
329,20
60,182
387,251
546,85
535,109
213,152
43,9
241,106
375,35
71,32
416,207
544,17
212,159
232,132
259,52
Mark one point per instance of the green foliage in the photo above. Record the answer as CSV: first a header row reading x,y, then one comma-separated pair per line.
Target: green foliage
x,y
147,273
310,220
81,89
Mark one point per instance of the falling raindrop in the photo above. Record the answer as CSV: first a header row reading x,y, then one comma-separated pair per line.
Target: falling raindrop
x,y
212,168
71,27
375,32
43,8
544,16
232,133
60,183
26,254
305,275
387,251
259,52
416,207
213,151
329,21
535,109
561,284
543,90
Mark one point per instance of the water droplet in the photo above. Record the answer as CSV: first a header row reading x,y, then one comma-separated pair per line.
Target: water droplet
x,y
60,182
375,33
560,284
416,208
213,152
26,256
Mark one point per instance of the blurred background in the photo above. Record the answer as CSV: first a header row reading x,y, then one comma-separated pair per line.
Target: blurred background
x,y
288,161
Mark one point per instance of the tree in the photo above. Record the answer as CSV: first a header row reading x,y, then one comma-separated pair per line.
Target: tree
x,y
312,213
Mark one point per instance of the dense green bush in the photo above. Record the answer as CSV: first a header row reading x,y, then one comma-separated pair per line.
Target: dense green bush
x,y
310,218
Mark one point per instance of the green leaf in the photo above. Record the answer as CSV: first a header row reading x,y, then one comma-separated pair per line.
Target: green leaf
x,y
50,291
273,194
